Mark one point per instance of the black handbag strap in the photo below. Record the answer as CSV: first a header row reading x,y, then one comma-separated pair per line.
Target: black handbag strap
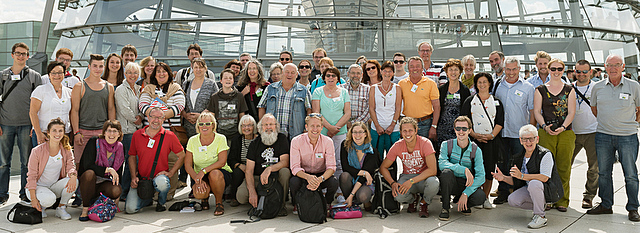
x,y
581,95
5,95
155,160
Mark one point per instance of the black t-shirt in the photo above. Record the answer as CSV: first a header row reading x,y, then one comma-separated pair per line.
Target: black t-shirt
x,y
264,155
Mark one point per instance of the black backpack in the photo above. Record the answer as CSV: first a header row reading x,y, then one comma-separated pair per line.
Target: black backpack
x,y
383,201
312,207
270,197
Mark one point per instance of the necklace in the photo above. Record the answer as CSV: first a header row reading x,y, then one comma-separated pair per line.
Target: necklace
x,y
385,89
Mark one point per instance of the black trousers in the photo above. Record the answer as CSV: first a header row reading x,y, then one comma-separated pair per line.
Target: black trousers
x,y
331,184
452,185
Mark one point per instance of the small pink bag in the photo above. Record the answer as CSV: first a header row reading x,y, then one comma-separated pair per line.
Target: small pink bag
x,y
343,212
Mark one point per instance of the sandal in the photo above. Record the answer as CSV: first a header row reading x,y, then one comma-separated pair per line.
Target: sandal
x,y
562,208
219,209
205,204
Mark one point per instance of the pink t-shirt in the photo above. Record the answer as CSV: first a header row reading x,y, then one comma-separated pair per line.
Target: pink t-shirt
x,y
414,163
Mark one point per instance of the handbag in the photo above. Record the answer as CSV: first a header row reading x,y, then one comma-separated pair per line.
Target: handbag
x,y
24,214
145,185
103,210
181,133
344,212
201,195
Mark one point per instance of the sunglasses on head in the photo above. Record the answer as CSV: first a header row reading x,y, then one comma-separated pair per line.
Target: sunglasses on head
x,y
398,62
304,67
285,59
205,123
464,129
554,69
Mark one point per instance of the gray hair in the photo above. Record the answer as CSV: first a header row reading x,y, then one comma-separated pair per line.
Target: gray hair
x,y
288,64
249,118
467,58
417,58
528,129
132,66
268,115
275,65
509,60
353,66
616,56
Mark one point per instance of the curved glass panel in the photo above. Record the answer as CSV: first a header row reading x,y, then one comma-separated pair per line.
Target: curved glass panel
x,y
74,17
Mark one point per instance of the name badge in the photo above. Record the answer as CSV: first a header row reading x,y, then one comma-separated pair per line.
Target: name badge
x,y
624,96
15,77
231,106
259,92
414,88
319,155
202,149
336,99
456,96
519,93
496,103
151,143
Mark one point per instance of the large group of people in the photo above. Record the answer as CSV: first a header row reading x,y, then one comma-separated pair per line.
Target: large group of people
x,y
310,126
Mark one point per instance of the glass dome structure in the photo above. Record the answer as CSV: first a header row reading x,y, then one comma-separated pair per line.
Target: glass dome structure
x,y
567,29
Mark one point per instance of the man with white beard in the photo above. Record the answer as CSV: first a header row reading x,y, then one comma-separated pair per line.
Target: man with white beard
x,y
267,154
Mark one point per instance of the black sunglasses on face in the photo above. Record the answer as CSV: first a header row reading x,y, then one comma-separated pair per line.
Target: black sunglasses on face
x,y
304,67
369,68
398,62
461,128
554,69
582,71
285,59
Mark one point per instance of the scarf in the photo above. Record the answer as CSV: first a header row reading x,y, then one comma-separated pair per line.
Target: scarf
x,y
252,89
353,156
468,82
117,154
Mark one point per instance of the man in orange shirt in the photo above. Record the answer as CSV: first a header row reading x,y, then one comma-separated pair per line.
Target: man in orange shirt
x,y
421,99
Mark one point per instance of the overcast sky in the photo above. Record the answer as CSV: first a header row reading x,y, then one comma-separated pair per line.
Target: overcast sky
x,y
25,10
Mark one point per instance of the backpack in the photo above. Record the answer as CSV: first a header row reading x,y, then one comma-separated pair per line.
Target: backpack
x,y
383,201
472,156
103,210
312,207
270,197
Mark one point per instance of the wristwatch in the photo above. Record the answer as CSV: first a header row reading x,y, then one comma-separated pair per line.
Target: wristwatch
x,y
322,178
411,180
434,126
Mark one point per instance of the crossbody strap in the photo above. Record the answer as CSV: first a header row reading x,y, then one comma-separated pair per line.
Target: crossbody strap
x,y
155,160
485,112
581,95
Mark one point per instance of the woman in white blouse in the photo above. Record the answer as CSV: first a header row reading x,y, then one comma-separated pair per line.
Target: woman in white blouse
x,y
50,101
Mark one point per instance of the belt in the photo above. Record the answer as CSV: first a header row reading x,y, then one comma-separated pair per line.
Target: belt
x,y
427,117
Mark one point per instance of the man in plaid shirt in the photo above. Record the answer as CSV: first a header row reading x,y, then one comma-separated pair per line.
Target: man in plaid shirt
x,y
359,93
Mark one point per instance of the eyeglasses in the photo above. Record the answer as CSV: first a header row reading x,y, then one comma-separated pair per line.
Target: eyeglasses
x,y
128,73
464,129
304,67
582,71
370,68
56,73
156,117
554,69
530,139
330,75
285,59
205,124
398,62
63,60
268,124
425,51
19,54
358,132
113,131
617,65
247,125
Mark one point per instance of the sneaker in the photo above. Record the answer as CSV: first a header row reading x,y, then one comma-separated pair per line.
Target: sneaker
x,y
340,198
44,214
444,215
586,204
160,208
424,210
413,206
3,200
537,222
295,210
500,199
61,212
466,212
487,204
599,209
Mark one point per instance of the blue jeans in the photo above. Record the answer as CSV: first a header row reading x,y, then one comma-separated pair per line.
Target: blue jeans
x,y
134,203
424,127
7,140
383,142
125,181
627,148
512,146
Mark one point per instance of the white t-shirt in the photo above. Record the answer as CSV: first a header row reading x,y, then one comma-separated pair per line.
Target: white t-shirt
x,y
53,107
396,79
51,173
68,81
584,121
193,95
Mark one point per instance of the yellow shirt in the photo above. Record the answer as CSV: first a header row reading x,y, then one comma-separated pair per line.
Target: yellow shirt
x,y
204,156
417,100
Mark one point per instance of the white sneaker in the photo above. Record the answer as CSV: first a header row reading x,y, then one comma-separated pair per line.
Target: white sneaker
x,y
61,212
537,222
487,204
44,214
341,199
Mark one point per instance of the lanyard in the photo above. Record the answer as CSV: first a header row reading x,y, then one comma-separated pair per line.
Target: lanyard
x,y
580,99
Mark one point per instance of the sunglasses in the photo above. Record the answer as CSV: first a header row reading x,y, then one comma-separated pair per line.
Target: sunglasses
x,y
398,62
315,115
531,139
370,68
331,76
464,129
304,67
205,124
285,59
582,71
554,69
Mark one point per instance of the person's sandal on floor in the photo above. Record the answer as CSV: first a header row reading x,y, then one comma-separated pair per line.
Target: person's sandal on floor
x,y
219,209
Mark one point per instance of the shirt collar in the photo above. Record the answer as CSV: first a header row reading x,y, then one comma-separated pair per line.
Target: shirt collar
x,y
144,131
609,82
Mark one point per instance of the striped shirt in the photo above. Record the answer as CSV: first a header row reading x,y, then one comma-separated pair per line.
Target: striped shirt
x,y
175,103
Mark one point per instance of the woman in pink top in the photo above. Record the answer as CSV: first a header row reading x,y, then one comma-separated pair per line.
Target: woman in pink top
x,y
419,168
52,172
312,160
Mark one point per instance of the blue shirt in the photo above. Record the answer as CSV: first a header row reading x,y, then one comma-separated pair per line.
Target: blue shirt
x,y
537,81
517,99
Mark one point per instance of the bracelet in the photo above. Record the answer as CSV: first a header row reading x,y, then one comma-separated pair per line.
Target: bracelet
x,y
492,136
352,194
434,126
544,125
394,121
522,176
204,170
76,133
